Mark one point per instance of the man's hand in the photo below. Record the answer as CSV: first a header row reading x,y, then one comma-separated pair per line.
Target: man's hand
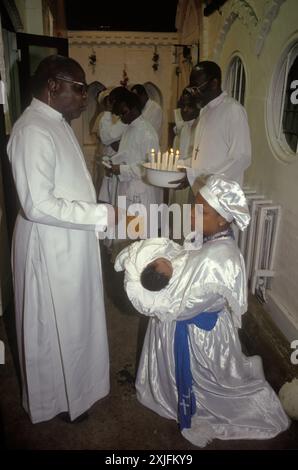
x,y
115,170
184,183
108,172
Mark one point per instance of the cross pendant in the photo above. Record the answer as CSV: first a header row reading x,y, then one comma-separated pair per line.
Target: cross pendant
x,y
196,152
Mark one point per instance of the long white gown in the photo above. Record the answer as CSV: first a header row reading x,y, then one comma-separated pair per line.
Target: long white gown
x,y
60,316
233,399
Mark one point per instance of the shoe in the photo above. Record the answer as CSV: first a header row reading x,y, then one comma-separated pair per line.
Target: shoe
x,y
66,418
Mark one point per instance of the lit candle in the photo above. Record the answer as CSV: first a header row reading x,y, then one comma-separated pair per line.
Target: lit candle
x,y
176,159
158,160
164,161
152,158
171,162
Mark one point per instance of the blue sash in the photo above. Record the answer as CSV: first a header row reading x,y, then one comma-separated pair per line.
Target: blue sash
x,y
186,399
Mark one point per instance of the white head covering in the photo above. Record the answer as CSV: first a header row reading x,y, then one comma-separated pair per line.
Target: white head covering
x,y
227,198
103,94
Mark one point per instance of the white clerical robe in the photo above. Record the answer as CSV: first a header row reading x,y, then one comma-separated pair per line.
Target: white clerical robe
x,y
137,141
222,140
186,142
59,307
233,399
152,113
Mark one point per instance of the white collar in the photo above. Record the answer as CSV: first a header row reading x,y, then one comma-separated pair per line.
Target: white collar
x,y
45,108
216,101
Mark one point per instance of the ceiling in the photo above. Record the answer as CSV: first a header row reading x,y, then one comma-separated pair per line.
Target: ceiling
x,y
154,15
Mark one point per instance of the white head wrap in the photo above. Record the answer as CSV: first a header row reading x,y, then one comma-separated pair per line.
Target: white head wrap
x,y
103,94
227,198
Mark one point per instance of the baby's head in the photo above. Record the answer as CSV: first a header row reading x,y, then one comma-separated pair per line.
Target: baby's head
x,y
157,274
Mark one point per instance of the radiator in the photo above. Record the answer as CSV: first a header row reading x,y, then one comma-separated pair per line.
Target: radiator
x,y
258,242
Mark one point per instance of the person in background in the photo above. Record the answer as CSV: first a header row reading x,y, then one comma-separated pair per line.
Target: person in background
x,y
106,186
192,368
59,299
151,111
222,138
110,130
136,143
190,114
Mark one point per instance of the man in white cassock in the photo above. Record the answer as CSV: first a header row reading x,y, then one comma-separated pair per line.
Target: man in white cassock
x,y
110,130
192,368
222,138
59,307
136,143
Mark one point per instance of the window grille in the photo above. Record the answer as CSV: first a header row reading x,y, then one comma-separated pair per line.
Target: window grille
x,y
236,80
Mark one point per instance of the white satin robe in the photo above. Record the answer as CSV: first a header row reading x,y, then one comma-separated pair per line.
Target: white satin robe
x,y
233,399
59,307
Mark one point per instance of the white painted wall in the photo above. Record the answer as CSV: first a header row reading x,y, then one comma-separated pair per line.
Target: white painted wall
x,y
268,174
34,19
135,51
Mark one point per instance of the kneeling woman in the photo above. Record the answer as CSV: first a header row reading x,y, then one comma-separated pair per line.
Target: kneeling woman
x,y
192,368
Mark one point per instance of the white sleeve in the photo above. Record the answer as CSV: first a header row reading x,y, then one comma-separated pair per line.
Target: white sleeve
x,y
108,131
134,170
32,155
130,172
239,157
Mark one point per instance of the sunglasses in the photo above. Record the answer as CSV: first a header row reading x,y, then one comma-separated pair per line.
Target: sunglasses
x,y
194,90
80,87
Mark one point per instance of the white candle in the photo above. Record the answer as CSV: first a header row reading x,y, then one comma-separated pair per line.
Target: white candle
x,y
176,160
152,158
171,162
165,161
158,160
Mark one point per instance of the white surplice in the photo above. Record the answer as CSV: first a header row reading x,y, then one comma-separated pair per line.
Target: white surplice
x,y
152,113
60,316
136,143
233,399
222,140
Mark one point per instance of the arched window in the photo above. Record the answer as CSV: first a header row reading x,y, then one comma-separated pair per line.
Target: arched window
x,y
290,108
235,80
282,106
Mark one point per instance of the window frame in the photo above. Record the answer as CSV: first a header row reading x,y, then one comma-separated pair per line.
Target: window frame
x,y
276,101
231,78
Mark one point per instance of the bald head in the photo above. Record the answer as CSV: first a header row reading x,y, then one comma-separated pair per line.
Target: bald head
x,y
60,82
210,69
205,82
49,68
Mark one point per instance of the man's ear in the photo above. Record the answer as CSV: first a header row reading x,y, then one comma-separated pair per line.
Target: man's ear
x,y
214,84
52,85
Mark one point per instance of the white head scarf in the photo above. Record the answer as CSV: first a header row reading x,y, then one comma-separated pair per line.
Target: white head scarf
x,y
227,198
